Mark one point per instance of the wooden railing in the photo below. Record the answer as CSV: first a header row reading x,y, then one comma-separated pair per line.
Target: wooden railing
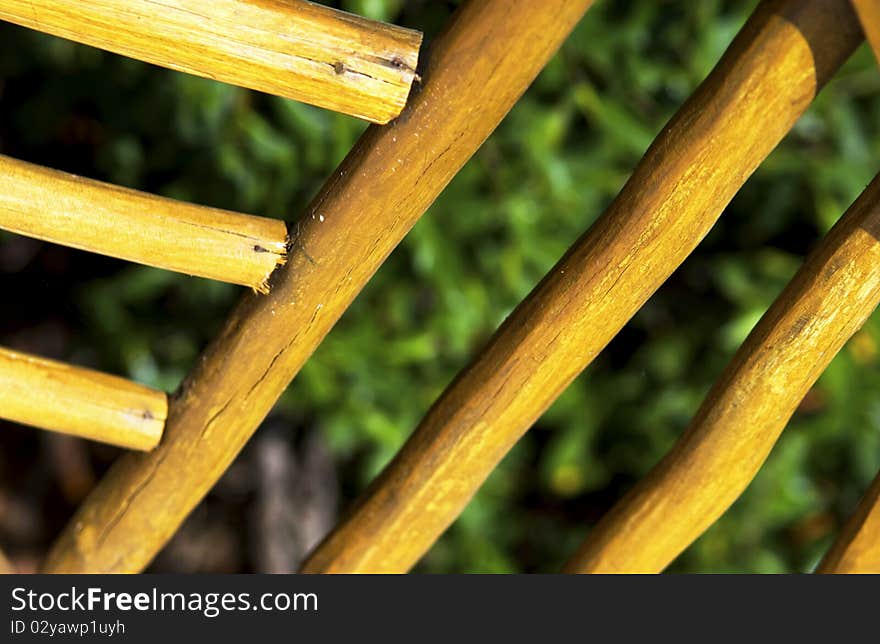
x,y
475,72
764,82
828,300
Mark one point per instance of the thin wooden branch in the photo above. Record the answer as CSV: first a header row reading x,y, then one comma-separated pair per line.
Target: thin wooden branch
x,y
72,400
765,80
737,425
868,12
139,227
857,547
291,48
477,69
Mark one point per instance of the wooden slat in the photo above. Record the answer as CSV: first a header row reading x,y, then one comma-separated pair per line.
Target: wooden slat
x,y
477,70
291,48
868,12
764,82
857,547
63,398
139,227
731,435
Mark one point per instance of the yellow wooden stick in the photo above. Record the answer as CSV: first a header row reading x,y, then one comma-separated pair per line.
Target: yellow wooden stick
x,y
291,48
868,12
476,71
828,300
139,227
857,548
63,398
757,91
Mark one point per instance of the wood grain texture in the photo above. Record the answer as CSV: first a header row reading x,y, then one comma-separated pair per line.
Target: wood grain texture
x,y
290,48
868,12
138,227
857,547
477,69
763,83
743,415
63,398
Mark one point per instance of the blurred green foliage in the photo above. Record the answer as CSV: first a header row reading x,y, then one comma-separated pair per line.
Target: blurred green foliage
x,y
543,177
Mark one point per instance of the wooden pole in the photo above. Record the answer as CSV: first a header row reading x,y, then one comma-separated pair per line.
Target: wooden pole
x,y
477,69
764,82
857,547
138,227
290,48
737,425
868,12
63,398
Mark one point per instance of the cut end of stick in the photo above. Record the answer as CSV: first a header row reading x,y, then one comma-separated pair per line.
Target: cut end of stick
x,y
279,251
151,420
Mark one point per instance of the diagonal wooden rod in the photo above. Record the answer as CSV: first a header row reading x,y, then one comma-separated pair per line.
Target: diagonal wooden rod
x,y
291,48
139,227
764,82
868,12
743,415
477,70
72,400
857,547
